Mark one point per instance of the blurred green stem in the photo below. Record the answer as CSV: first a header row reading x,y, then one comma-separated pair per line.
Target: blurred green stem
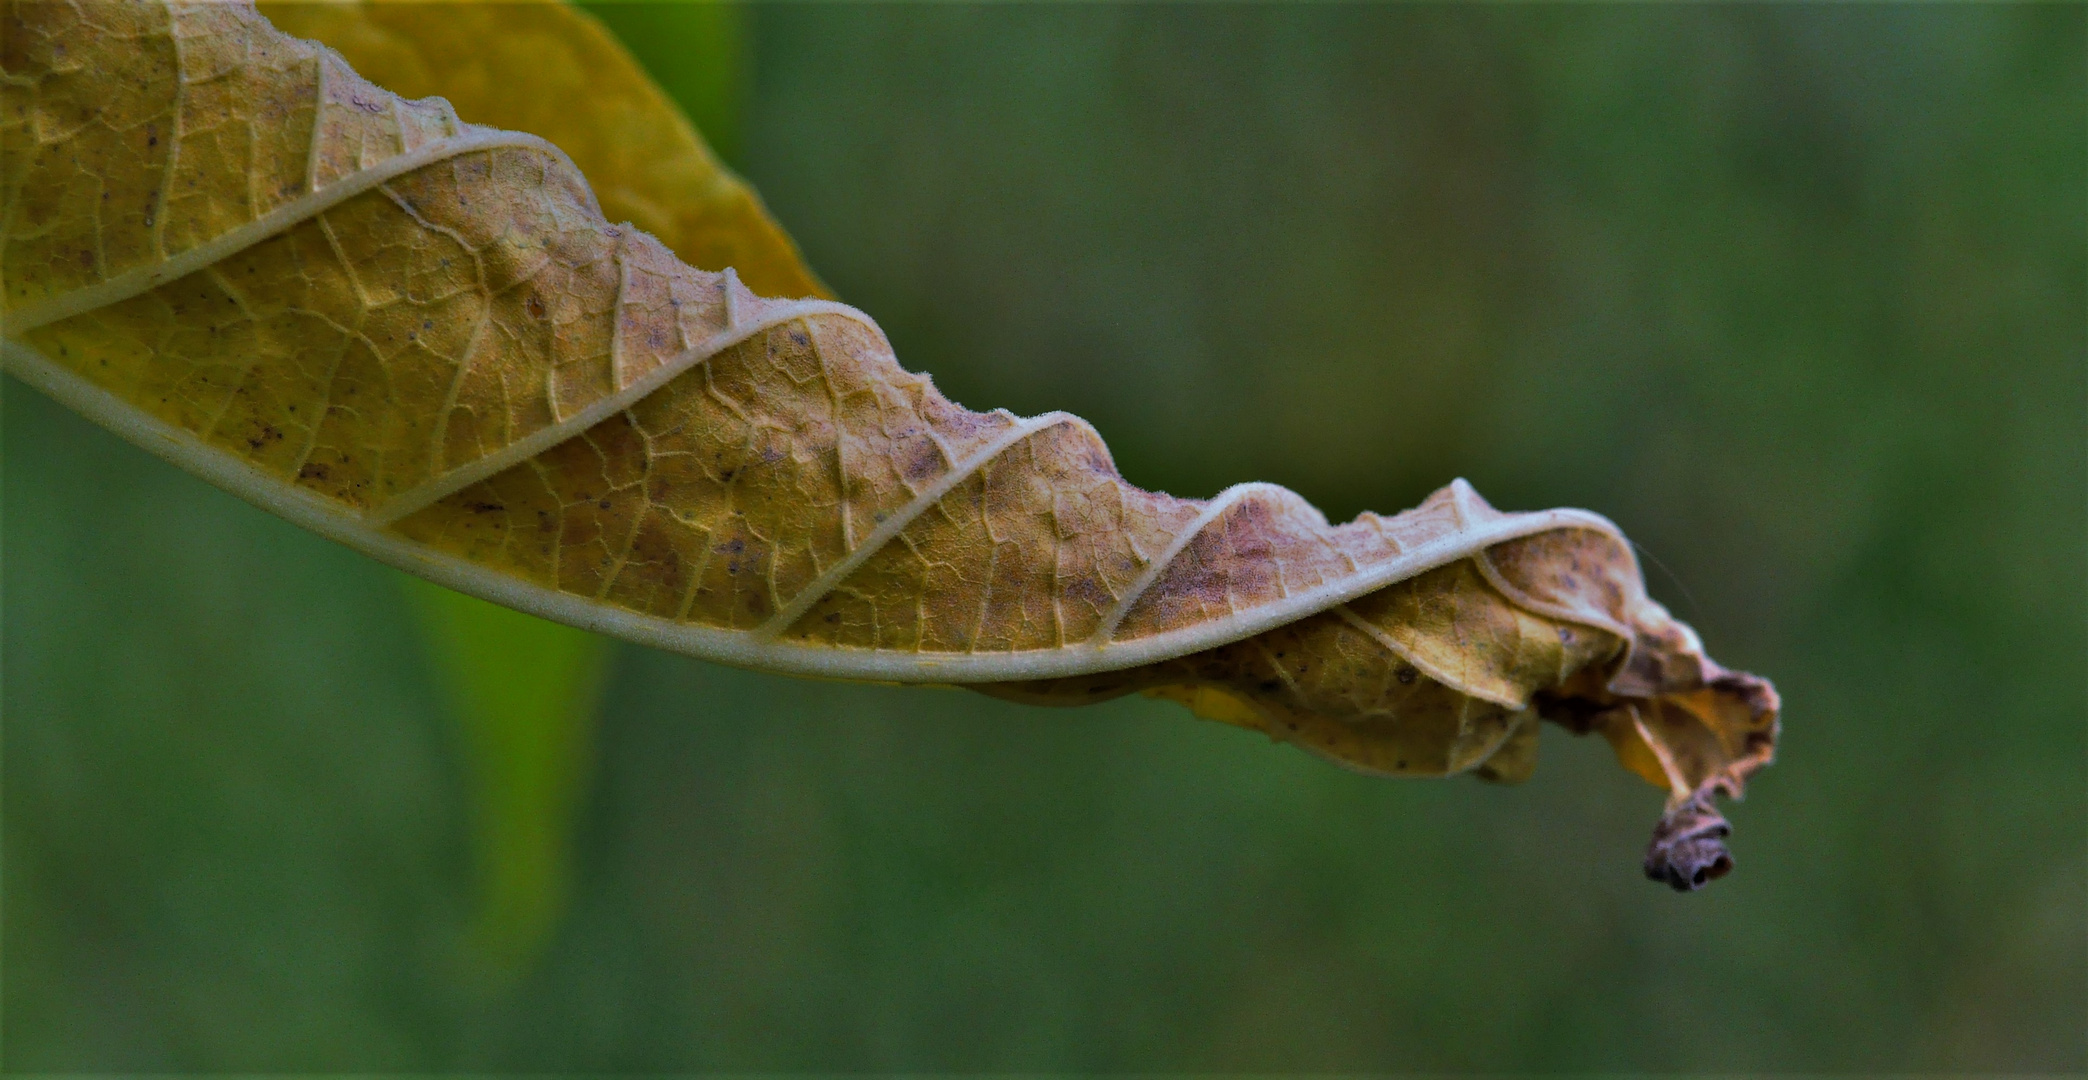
x,y
523,693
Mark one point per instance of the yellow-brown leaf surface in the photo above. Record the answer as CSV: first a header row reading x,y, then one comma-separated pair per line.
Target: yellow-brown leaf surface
x,y
422,337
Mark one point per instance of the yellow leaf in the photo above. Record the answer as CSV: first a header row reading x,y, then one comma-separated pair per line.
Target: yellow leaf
x,y
423,339
543,67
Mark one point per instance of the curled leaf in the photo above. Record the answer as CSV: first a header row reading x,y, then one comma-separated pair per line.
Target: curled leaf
x,y
422,338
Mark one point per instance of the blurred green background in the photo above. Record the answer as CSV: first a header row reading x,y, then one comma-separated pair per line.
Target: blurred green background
x,y
1796,294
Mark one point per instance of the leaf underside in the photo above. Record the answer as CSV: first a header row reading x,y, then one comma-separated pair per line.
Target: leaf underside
x,y
423,338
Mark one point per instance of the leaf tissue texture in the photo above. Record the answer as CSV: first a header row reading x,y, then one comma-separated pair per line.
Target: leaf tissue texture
x,y
422,337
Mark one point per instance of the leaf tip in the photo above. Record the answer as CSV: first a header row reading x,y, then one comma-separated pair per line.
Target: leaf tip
x,y
1689,845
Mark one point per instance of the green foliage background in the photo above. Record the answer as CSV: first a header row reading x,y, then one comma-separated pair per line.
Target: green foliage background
x,y
1794,293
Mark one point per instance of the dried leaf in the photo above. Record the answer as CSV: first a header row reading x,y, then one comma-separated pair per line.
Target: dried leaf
x,y
422,338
